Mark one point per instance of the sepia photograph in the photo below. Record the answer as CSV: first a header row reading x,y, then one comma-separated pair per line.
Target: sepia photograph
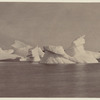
x,y
50,49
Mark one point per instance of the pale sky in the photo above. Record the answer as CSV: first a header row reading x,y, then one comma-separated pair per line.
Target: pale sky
x,y
50,23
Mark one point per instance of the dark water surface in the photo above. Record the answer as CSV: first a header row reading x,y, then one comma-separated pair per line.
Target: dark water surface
x,y
41,80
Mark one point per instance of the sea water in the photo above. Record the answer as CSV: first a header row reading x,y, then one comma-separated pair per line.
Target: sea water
x,y
22,79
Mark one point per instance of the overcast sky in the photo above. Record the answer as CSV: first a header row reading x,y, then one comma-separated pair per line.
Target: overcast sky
x,y
50,23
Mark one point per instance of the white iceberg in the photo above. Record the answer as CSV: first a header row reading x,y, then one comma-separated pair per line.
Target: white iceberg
x,y
20,48
79,54
55,55
7,54
35,54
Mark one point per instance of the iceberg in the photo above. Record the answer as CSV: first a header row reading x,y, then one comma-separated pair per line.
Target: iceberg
x,y
55,55
7,54
35,54
79,54
21,48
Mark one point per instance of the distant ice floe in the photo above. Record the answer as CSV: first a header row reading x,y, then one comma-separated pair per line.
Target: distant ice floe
x,y
79,54
55,55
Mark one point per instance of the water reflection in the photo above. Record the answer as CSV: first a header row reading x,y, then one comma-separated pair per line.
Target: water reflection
x,y
42,80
